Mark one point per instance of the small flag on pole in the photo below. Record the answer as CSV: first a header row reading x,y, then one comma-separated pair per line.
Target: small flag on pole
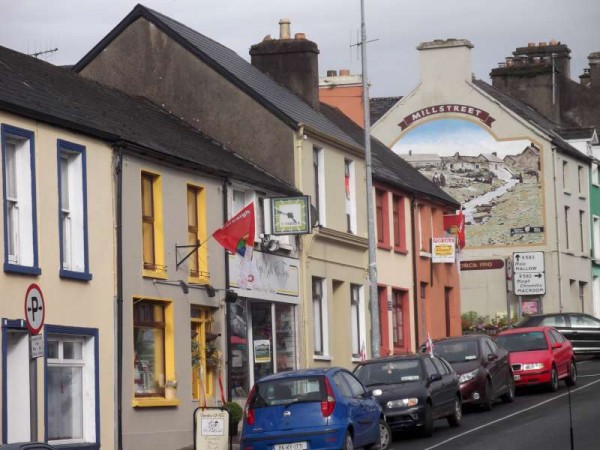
x,y
363,352
429,345
237,234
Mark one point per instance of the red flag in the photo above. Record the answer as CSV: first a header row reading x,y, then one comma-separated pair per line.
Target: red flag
x,y
237,232
454,224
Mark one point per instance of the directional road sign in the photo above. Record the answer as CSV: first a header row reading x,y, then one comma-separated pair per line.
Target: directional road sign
x,y
528,262
530,283
35,310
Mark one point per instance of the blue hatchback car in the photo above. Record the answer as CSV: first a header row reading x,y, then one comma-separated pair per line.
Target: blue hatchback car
x,y
312,409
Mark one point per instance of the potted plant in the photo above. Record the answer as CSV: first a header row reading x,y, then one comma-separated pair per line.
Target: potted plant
x,y
171,388
235,415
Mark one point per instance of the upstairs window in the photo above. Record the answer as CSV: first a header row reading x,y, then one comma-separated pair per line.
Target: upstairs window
x,y
196,219
319,184
152,226
20,226
382,216
350,196
399,219
72,205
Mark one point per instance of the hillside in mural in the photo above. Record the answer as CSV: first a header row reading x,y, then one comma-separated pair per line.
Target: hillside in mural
x,y
498,183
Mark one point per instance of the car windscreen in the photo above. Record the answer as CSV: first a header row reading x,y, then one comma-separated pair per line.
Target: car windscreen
x,y
523,342
389,372
455,352
287,391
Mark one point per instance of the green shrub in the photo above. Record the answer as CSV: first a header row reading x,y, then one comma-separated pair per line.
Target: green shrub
x,y
235,411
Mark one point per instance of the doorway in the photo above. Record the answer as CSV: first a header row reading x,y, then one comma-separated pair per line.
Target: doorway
x,y
17,401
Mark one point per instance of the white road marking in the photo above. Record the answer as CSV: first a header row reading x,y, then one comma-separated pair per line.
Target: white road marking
x,y
510,415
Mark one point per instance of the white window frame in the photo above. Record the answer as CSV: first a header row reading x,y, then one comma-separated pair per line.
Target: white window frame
x,y
89,397
595,181
596,237
324,318
580,180
357,319
72,217
249,196
20,224
350,203
320,196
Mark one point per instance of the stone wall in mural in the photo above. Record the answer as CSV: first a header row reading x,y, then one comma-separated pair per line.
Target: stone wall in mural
x,y
499,184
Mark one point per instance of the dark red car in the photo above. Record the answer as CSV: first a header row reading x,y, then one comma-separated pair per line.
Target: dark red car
x,y
539,356
483,368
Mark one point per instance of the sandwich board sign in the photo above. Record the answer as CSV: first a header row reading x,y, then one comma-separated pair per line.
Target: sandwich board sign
x,y
211,428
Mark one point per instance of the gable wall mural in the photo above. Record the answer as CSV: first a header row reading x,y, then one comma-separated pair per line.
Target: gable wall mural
x,y
499,183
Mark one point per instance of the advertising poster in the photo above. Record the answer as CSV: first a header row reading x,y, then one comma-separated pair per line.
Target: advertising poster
x,y
262,351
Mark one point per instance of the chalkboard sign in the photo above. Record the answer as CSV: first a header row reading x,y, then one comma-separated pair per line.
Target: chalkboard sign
x,y
211,429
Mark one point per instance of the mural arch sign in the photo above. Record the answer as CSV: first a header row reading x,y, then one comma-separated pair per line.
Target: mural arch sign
x,y
498,183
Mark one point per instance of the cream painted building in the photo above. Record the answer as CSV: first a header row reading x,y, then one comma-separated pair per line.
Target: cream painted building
x,y
518,208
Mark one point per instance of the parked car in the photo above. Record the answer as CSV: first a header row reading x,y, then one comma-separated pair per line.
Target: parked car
x,y
581,329
483,368
27,446
413,390
539,356
312,409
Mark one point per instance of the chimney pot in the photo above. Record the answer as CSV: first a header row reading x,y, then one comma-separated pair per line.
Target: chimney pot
x,y
531,44
542,44
300,36
332,73
344,72
509,61
554,42
284,28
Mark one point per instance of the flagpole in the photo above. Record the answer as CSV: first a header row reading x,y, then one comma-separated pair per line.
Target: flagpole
x,y
373,294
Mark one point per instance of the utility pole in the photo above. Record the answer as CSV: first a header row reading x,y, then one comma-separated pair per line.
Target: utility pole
x,y
373,294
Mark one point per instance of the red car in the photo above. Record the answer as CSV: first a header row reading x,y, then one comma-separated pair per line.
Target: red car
x,y
539,356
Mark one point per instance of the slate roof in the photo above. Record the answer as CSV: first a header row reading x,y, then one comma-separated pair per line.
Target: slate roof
x,y
378,106
41,91
491,157
577,133
533,116
387,166
275,97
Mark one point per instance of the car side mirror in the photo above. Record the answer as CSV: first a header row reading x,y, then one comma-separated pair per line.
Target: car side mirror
x,y
435,377
556,345
376,392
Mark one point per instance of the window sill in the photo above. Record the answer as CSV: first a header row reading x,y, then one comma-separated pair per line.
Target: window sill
x,y
322,357
69,274
384,246
198,280
23,270
424,254
154,402
400,250
159,274
566,193
582,196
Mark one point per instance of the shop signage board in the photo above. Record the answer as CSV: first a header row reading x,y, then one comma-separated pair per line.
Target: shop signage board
x,y
482,264
211,429
443,250
37,345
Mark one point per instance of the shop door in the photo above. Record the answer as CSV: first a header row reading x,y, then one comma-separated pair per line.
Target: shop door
x,y
262,340
17,402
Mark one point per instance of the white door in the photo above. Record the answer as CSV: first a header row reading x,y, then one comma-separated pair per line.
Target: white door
x,y
17,384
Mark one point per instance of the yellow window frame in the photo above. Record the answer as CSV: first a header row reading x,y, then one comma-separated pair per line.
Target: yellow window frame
x,y
160,270
202,325
202,232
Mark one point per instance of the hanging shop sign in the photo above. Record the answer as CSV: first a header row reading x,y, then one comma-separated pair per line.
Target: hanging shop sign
x,y
443,250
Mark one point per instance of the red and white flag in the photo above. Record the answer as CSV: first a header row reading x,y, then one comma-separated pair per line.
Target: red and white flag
x,y
363,352
237,234
429,345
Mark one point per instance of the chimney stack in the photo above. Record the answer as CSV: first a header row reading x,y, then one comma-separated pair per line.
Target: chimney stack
x,y
594,61
292,62
453,55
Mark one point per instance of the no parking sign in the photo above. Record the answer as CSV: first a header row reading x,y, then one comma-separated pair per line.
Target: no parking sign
x,y
35,310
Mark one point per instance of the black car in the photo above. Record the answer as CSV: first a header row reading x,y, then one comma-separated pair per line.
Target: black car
x,y
483,368
27,446
415,389
581,329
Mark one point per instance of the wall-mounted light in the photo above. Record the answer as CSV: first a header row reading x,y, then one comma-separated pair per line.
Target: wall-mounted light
x,y
231,296
268,244
184,286
210,291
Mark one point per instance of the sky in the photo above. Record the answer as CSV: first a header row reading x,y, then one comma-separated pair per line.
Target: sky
x,y
396,27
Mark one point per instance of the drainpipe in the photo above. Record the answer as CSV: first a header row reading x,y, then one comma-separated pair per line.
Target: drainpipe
x,y
560,299
413,233
227,307
118,150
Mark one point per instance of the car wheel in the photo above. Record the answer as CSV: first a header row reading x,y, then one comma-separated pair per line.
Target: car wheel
x,y
509,395
348,443
427,429
385,435
488,397
553,386
572,377
455,419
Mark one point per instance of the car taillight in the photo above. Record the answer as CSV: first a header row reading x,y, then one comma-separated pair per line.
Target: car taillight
x,y
328,405
250,411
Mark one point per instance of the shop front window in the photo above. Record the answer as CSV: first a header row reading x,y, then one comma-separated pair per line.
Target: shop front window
x,y
284,329
149,346
206,359
238,344
262,339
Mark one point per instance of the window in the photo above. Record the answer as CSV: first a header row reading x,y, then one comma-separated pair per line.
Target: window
x,y
429,367
205,356
596,237
20,225
350,196
581,230
379,200
355,319
581,294
595,181
196,219
72,408
565,176
152,226
319,316
399,224
567,227
580,180
423,289
153,346
242,198
319,179
72,206
448,306
398,317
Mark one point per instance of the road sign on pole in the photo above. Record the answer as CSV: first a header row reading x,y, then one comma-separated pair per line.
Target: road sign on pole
x,y
35,310
529,278
530,284
528,262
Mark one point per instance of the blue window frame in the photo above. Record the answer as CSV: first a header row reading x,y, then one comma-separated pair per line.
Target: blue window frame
x,y
71,354
72,211
19,201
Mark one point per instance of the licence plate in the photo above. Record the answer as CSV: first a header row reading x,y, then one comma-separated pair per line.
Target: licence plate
x,y
291,446
517,377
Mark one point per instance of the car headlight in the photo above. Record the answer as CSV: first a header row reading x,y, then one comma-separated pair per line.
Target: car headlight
x,y
534,366
403,403
467,376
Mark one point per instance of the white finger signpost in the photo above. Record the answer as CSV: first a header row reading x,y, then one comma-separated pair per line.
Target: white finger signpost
x,y
529,277
35,310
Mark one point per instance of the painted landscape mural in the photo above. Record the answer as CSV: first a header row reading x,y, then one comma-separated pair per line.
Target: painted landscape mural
x,y
499,184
